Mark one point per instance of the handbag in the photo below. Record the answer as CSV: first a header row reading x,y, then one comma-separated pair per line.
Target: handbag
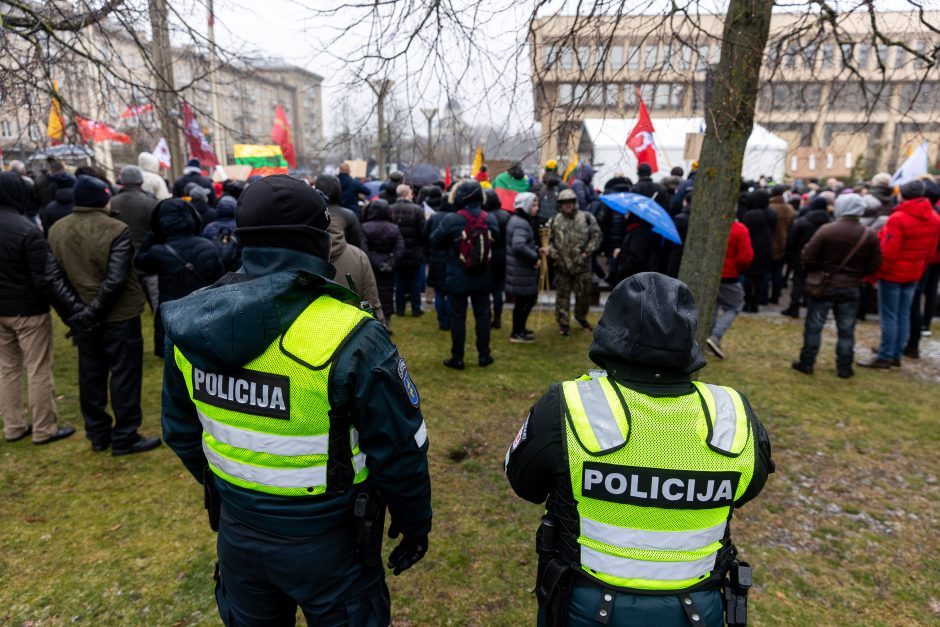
x,y
816,283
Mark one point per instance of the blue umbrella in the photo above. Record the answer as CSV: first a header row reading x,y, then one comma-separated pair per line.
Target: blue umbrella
x,y
374,186
646,209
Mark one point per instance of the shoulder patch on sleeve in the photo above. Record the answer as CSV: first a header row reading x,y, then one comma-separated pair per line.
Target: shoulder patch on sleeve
x,y
523,433
411,391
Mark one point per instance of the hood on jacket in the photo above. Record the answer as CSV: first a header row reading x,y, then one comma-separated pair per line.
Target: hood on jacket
x,y
148,163
432,195
174,216
586,173
377,211
330,186
491,200
225,326
617,184
338,241
65,196
758,199
225,208
63,180
523,202
919,208
648,323
14,193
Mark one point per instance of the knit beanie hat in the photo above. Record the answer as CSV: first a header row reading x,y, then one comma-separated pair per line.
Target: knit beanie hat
x,y
283,212
468,193
131,175
849,206
91,192
912,189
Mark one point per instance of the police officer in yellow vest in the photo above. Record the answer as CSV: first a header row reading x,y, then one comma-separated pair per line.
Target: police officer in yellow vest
x,y
294,409
640,469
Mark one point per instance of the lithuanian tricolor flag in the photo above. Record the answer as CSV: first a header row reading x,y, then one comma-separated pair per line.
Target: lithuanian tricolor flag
x,y
263,159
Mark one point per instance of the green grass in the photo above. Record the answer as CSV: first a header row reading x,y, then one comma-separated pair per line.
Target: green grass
x,y
844,533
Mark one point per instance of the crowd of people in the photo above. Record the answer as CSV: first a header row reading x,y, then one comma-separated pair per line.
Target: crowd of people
x,y
99,251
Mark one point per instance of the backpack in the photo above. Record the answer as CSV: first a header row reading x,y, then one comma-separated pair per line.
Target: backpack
x,y
229,247
476,242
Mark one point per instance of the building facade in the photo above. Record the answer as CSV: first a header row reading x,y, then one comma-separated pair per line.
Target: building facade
x,y
848,104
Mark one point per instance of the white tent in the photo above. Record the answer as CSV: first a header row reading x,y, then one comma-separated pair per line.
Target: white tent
x,y
765,154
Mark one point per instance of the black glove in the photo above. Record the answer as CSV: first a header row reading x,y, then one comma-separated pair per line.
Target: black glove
x,y
408,552
83,320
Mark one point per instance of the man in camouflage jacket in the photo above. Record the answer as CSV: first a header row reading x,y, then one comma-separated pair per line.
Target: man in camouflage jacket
x,y
575,236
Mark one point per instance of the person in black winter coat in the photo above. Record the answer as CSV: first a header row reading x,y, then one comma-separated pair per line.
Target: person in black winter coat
x,y
181,258
803,229
548,196
192,173
437,259
613,223
382,241
522,264
62,205
346,219
638,252
221,233
199,198
760,221
30,279
681,220
410,220
492,205
463,284
646,187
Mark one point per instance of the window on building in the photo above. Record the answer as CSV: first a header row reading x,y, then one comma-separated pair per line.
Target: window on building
x,y
584,57
701,63
677,96
919,98
646,93
685,58
882,55
809,57
6,129
579,95
661,97
550,51
649,57
629,95
789,59
846,52
633,58
900,58
919,62
613,91
616,57
828,53
861,56
564,93
596,95
667,56
35,133
567,58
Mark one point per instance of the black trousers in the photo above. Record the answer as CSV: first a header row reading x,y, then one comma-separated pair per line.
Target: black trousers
x,y
520,313
480,301
115,349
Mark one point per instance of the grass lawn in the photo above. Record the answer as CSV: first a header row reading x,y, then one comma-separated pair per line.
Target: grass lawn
x,y
844,534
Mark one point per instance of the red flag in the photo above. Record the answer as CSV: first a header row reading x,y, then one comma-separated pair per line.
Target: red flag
x,y
640,140
447,178
507,198
199,146
135,110
99,131
281,136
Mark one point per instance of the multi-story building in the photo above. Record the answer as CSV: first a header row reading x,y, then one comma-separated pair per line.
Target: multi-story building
x,y
846,95
248,93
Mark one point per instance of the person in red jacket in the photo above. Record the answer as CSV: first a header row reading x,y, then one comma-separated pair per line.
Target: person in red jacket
x,y
908,241
738,257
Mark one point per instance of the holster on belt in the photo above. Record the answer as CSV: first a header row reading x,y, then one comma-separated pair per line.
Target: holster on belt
x,y
369,512
555,577
211,498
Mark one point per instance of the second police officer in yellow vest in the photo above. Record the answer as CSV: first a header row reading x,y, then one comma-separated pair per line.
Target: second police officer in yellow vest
x,y
294,409
640,469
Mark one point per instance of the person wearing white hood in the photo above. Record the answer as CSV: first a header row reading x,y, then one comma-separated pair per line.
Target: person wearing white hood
x,y
153,183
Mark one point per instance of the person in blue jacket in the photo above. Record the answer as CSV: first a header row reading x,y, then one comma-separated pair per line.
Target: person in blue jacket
x,y
295,411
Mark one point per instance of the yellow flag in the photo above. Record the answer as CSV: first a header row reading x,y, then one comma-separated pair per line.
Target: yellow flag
x,y
55,127
477,161
572,165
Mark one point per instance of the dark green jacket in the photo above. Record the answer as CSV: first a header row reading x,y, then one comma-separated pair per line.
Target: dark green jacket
x,y
96,253
226,325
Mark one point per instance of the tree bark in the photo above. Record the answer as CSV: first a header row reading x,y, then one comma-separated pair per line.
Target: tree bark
x,y
164,84
729,120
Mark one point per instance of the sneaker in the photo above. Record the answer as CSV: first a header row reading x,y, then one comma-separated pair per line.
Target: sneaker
x,y
515,338
801,367
564,330
925,332
585,324
529,336
877,364
714,345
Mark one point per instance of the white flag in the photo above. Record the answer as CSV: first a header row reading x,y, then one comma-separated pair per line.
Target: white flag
x,y
913,166
162,153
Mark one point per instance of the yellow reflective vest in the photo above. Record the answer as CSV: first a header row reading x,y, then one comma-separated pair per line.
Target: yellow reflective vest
x,y
267,426
654,479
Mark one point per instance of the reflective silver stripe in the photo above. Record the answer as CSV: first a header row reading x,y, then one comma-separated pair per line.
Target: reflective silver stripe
x,y
421,435
725,420
651,540
599,414
274,477
627,568
359,462
265,442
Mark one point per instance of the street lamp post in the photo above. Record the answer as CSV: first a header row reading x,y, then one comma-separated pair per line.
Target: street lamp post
x,y
429,114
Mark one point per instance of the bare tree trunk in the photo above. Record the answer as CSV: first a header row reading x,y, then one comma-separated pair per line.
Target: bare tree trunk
x,y
165,84
729,121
